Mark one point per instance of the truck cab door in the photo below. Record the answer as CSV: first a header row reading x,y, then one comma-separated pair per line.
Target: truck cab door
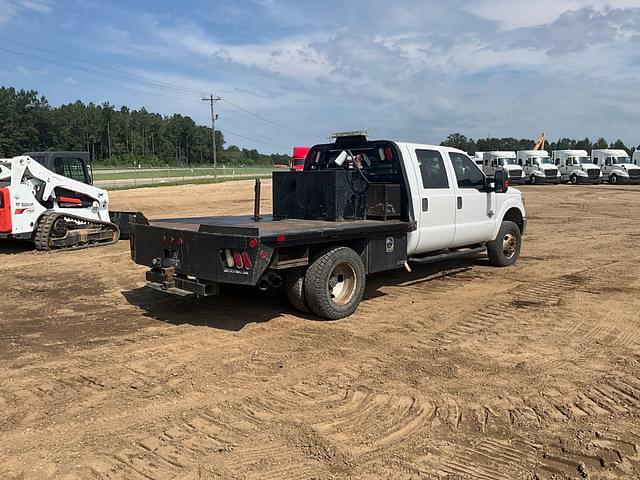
x,y
473,203
437,204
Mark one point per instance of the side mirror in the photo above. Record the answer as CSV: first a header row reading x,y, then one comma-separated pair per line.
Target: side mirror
x,y
502,181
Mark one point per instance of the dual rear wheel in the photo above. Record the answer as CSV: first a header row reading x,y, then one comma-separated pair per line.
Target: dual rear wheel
x,y
333,285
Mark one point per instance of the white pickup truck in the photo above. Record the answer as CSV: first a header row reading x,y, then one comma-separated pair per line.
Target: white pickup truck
x,y
358,207
616,166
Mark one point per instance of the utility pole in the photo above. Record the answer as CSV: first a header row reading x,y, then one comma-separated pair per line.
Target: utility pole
x,y
109,136
212,100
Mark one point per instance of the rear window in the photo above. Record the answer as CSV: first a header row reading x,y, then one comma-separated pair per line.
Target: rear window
x,y
378,159
70,167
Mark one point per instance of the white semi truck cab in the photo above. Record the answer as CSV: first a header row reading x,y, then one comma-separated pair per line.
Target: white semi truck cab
x,y
497,160
537,167
636,158
576,167
616,166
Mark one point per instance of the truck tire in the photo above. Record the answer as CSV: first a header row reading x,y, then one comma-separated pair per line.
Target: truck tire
x,y
574,179
294,283
334,283
505,249
533,180
613,179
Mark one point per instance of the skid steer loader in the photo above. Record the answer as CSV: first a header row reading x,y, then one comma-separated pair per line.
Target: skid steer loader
x,y
49,198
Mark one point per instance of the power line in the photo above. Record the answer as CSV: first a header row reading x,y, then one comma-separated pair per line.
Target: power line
x,y
144,81
97,82
89,70
229,132
260,117
121,72
225,120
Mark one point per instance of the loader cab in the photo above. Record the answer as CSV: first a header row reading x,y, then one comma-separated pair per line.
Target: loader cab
x,y
73,165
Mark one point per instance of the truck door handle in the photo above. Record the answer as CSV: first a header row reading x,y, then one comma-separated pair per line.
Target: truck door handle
x,y
425,204
459,203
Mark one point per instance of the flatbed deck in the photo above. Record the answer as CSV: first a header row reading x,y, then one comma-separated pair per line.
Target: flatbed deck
x,y
269,229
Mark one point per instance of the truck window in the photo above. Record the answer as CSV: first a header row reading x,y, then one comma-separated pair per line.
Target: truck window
x,y
434,174
71,168
468,174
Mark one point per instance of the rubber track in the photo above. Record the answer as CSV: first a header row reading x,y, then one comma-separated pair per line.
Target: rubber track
x,y
48,219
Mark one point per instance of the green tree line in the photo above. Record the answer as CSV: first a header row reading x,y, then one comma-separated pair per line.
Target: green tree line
x,y
471,146
113,136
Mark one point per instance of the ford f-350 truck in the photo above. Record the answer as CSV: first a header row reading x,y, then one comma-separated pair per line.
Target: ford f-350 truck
x,y
358,207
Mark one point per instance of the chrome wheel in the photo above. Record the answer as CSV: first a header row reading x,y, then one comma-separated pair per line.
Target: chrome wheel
x,y
509,245
342,284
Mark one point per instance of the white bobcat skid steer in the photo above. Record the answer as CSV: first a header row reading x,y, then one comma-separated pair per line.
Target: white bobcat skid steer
x,y
52,209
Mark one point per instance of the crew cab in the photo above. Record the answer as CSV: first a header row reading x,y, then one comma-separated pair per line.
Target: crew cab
x,y
358,207
616,166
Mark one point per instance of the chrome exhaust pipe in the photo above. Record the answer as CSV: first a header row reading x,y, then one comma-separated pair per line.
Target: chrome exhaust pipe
x,y
264,285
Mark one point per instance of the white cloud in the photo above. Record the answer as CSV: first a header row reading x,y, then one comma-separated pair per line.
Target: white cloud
x,y
525,13
11,8
292,57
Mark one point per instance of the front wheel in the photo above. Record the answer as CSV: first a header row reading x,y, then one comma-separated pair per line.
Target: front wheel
x,y
505,249
334,283
574,179
613,179
533,180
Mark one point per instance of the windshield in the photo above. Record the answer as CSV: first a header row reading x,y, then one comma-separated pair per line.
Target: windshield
x,y
541,160
299,161
507,161
583,160
621,160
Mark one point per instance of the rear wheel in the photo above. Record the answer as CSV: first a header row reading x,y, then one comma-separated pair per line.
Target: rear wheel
x,y
505,249
334,283
294,283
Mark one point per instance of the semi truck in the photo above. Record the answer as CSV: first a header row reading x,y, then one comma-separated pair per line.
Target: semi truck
x,y
636,158
576,167
359,207
497,160
537,167
298,158
616,166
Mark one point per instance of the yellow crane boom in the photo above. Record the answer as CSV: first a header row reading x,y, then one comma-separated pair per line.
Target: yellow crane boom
x,y
542,141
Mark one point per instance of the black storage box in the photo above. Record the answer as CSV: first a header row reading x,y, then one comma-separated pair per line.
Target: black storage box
x,y
333,195
384,201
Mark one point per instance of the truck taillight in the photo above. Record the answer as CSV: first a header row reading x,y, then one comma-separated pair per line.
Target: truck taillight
x,y
237,259
246,260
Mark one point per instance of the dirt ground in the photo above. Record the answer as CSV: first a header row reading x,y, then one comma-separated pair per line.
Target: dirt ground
x,y
455,371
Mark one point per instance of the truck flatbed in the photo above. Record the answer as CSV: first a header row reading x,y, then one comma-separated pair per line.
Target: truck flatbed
x,y
267,229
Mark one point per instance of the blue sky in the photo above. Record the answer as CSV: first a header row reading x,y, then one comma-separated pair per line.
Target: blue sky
x,y
412,70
